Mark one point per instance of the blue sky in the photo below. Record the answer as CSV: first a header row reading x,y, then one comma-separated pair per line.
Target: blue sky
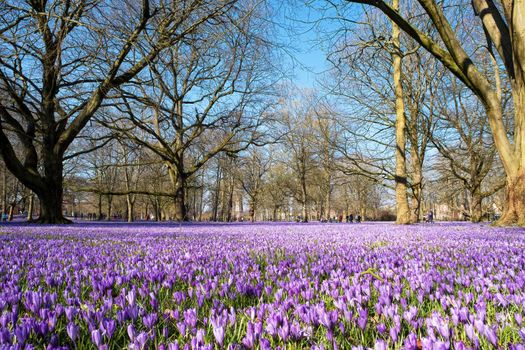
x,y
299,35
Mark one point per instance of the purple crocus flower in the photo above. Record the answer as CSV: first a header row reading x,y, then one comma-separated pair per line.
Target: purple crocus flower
x,y
96,338
150,320
173,346
72,330
218,325
249,339
380,345
363,317
131,332
108,327
518,318
490,334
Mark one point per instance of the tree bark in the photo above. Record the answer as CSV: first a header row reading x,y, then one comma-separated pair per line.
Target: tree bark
x,y
109,208
229,205
304,196
506,29
178,181
417,189
51,195
252,209
51,205
30,207
475,205
328,202
514,212
4,190
217,191
180,203
129,206
402,208
99,207
201,201
11,212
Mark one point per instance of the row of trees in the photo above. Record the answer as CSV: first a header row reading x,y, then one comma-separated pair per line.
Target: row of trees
x,y
177,110
493,73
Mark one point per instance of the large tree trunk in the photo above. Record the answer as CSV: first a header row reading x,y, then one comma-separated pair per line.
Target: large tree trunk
x,y
514,212
51,195
180,204
403,210
475,205
51,206
513,158
178,182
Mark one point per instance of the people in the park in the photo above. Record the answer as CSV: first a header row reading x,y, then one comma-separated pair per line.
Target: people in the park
x,y
4,216
351,218
430,217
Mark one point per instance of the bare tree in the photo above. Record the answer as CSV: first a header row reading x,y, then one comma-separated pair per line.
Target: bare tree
x,y
201,98
504,27
253,168
297,118
465,144
60,60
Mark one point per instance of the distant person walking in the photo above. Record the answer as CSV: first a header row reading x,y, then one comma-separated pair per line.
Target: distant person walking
x,y
430,217
4,216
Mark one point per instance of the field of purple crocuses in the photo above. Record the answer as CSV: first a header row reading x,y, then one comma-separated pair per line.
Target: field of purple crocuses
x,y
261,286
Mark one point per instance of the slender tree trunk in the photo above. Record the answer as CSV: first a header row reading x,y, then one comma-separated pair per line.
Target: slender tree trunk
x,y
215,211
252,209
201,200
156,205
328,199
194,205
304,199
99,207
30,206
241,206
417,189
4,190
229,205
110,207
129,208
403,210
11,212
